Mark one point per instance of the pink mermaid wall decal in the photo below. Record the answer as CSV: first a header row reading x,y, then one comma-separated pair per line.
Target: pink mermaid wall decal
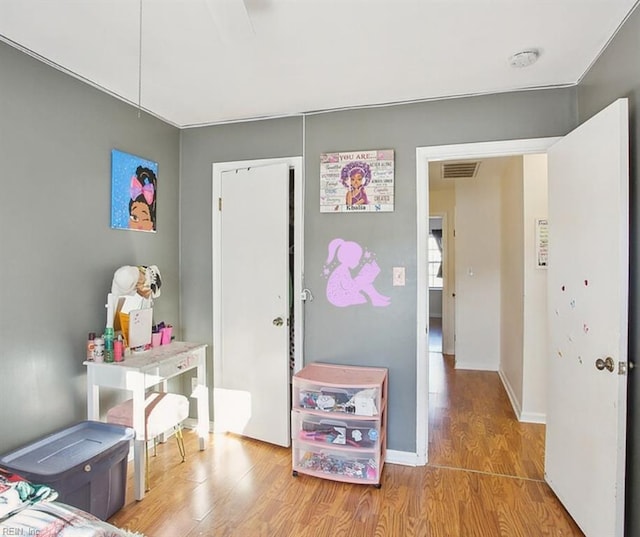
x,y
343,287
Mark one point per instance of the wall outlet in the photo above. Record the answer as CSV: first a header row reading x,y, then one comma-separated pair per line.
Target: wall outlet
x,y
398,276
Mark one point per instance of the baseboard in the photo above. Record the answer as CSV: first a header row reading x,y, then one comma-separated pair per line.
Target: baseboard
x,y
474,366
534,417
524,417
405,458
515,404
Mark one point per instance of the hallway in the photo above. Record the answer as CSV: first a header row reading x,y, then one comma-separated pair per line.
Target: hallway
x,y
472,425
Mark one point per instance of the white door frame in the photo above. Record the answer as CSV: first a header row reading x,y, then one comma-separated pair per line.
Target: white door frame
x,y
296,163
423,156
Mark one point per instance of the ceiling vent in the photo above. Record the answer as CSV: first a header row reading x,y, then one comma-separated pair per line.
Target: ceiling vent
x,y
460,170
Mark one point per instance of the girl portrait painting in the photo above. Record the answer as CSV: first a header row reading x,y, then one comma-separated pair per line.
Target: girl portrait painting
x,y
134,190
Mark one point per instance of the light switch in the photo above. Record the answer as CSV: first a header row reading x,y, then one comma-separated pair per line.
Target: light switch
x,y
398,276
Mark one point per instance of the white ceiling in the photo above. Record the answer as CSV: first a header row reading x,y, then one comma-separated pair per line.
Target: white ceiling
x,y
210,61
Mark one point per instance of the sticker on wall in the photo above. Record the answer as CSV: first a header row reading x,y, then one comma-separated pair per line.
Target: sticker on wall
x,y
351,272
358,181
134,191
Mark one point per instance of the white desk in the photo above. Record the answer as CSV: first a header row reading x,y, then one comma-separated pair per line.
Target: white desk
x,y
141,371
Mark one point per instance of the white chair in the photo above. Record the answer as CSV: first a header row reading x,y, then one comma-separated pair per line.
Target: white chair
x,y
162,411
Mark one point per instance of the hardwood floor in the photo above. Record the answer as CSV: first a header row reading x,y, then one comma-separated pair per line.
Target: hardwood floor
x,y
473,427
484,479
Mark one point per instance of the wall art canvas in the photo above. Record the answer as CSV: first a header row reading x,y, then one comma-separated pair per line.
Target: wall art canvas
x,y
357,181
134,192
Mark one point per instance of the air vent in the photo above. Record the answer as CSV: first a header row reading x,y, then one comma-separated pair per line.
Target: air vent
x,y
459,170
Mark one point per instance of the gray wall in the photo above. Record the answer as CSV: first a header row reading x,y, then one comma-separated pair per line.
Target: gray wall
x,y
359,336
617,74
57,251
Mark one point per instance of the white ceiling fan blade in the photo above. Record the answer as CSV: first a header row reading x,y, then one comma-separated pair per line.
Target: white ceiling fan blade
x,y
231,19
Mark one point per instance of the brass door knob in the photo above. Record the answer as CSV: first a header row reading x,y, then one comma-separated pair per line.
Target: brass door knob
x,y
605,364
278,321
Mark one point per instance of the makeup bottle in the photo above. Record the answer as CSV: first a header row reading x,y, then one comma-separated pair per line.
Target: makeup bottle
x,y
98,350
90,346
118,349
108,344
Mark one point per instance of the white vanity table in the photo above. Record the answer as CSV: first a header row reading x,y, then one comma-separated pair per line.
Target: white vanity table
x,y
141,371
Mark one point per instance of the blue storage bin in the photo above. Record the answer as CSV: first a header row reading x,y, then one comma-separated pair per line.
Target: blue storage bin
x,y
85,463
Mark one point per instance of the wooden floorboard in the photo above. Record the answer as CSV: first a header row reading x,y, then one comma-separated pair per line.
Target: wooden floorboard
x,y
484,479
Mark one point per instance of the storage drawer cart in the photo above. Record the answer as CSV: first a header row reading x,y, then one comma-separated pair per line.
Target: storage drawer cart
x,y
339,422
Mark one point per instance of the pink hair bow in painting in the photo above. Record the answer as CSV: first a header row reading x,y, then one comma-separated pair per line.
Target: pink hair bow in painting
x,y
138,188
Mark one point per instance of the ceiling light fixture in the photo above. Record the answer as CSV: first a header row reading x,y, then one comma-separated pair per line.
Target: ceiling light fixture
x,y
524,58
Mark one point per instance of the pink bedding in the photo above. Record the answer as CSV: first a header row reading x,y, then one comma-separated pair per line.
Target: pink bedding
x,y
31,509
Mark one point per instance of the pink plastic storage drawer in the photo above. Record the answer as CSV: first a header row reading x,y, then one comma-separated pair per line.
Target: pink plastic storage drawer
x,y
353,433
347,466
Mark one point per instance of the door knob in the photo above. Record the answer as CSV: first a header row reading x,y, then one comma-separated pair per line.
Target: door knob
x,y
605,364
278,321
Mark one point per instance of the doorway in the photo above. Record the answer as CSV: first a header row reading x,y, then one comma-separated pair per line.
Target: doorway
x,y
424,156
473,418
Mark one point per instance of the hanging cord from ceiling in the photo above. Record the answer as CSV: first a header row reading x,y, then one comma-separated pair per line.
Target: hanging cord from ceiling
x,y
140,60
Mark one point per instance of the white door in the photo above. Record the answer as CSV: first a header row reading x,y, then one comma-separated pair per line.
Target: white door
x,y
252,394
587,278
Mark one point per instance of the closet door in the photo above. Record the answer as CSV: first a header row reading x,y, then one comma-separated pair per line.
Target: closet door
x,y
252,396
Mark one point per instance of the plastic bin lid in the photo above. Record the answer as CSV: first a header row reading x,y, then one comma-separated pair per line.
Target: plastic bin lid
x,y
76,445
